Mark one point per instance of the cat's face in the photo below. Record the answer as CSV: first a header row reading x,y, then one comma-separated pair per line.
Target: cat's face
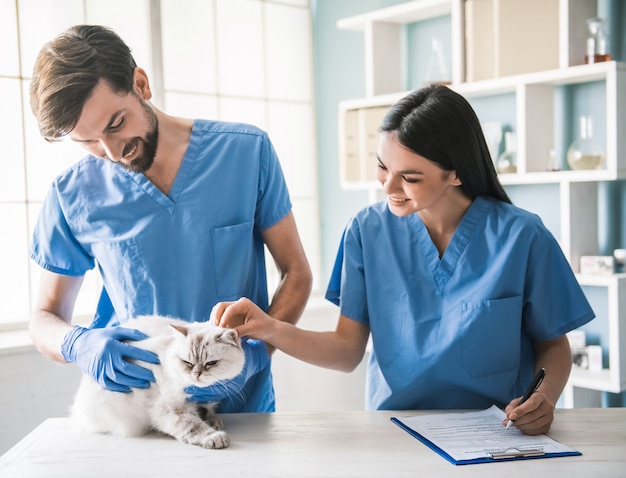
x,y
204,353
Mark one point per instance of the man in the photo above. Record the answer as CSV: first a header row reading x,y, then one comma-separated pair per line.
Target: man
x,y
174,212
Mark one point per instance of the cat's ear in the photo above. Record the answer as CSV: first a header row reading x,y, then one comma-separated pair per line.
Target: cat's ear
x,y
181,328
230,337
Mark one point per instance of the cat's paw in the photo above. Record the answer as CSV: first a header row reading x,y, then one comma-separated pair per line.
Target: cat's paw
x,y
216,423
215,440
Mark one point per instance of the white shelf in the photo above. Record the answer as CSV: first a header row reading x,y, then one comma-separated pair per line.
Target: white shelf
x,y
562,76
555,177
534,97
601,380
592,280
409,12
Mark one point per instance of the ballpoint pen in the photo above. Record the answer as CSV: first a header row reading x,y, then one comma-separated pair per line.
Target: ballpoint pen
x,y
533,386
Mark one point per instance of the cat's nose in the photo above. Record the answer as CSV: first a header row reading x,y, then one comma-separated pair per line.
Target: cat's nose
x,y
197,374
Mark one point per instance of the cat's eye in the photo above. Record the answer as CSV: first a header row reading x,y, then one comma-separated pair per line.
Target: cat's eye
x,y
188,364
211,363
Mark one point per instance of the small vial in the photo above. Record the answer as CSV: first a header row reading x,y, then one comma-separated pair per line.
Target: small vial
x,y
597,41
553,164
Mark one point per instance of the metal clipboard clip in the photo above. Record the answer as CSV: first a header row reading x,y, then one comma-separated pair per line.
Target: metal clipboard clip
x,y
515,453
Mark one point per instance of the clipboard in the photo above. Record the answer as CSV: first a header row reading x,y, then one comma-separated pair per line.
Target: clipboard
x,y
478,437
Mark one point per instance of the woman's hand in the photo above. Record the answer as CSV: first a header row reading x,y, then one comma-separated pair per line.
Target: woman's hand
x,y
341,349
245,317
534,416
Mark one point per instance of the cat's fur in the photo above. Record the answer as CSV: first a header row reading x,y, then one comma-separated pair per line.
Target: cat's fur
x,y
190,354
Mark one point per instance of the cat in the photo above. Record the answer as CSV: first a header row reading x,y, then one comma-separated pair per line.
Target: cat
x,y
191,353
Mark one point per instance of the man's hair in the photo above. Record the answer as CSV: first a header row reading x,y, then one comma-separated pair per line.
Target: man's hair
x,y
67,70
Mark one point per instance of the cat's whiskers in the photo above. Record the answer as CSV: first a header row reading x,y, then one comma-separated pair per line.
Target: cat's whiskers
x,y
231,390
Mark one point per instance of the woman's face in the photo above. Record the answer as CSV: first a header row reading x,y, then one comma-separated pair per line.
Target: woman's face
x,y
411,182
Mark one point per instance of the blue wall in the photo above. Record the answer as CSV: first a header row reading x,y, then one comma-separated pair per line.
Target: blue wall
x,y
339,75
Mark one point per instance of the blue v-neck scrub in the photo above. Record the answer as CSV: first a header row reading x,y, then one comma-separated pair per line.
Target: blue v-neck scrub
x,y
177,254
455,332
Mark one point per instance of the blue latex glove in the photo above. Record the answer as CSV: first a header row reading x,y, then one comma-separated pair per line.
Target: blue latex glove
x,y
100,354
257,358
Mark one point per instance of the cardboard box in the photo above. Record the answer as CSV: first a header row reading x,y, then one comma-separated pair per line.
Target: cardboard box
x,y
510,37
588,358
577,339
594,354
597,265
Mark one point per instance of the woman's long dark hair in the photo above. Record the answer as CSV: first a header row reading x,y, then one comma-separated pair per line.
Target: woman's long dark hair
x,y
440,125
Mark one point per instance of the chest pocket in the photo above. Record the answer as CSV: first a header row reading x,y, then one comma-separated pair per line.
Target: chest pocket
x,y
490,336
232,259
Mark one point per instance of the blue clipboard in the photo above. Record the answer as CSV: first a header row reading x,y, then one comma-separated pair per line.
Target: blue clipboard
x,y
491,456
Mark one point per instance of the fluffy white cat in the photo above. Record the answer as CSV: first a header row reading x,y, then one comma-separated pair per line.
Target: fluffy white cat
x,y
191,353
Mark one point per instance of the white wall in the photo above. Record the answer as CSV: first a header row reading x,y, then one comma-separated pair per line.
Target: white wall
x,y
32,389
303,387
248,61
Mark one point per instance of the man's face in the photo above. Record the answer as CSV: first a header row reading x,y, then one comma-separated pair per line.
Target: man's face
x,y
121,127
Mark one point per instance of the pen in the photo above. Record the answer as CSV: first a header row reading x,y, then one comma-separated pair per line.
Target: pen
x,y
533,386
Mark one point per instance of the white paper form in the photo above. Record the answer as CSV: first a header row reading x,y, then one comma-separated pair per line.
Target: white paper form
x,y
467,436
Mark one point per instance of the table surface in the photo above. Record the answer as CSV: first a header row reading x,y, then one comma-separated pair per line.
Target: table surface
x,y
355,444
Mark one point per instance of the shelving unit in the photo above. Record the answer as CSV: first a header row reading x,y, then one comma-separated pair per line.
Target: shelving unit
x,y
534,95
382,32
612,379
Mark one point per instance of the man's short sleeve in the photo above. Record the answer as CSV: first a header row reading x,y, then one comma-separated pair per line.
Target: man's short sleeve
x,y
274,202
53,246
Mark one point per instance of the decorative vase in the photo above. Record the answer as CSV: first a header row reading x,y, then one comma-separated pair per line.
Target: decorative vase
x,y
507,161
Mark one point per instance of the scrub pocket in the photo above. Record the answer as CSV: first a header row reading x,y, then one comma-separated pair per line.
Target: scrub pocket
x,y
490,336
232,251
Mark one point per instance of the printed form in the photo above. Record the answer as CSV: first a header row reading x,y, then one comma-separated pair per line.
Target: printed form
x,y
470,436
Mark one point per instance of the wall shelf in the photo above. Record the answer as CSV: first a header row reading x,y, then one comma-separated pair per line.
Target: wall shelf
x,y
401,14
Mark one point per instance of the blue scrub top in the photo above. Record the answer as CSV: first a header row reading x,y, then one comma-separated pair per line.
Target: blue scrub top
x,y
455,332
177,254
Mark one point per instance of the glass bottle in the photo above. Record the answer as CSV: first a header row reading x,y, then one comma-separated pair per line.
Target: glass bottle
x,y
597,41
585,152
436,71
507,161
553,164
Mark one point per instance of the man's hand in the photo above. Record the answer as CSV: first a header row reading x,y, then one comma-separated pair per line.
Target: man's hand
x,y
100,354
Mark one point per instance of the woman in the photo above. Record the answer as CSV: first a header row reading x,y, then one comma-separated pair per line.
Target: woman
x,y
465,295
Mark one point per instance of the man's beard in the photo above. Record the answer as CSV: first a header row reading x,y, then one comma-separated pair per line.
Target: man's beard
x,y
144,161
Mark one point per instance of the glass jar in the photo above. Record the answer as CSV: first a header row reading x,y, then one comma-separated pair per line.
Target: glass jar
x,y
597,41
585,152
553,163
436,71
507,161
